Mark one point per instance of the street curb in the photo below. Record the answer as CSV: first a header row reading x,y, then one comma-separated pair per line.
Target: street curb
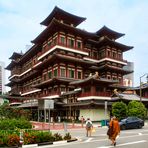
x,y
49,143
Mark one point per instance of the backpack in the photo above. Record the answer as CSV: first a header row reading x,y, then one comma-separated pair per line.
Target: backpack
x,y
88,125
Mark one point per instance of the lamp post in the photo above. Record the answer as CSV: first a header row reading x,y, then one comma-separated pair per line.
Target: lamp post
x,y
141,85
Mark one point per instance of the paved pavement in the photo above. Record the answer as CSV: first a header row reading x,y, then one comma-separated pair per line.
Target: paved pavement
x,y
64,125
59,126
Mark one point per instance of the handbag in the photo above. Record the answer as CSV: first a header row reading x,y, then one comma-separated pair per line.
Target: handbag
x,y
93,130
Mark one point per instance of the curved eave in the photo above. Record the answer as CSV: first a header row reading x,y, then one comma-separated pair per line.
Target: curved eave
x,y
95,80
10,84
55,25
121,70
87,103
105,31
16,55
32,51
73,59
11,65
46,63
31,74
52,81
62,15
106,41
63,58
118,86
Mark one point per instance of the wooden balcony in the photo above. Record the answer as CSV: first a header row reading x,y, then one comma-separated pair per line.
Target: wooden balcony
x,y
47,48
110,57
52,93
103,94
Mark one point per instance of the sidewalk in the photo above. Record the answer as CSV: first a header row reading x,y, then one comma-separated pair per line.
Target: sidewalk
x,y
54,126
59,126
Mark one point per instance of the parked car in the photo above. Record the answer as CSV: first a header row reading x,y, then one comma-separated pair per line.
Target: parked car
x,y
131,122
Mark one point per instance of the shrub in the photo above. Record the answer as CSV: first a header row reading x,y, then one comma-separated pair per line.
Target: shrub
x,y
12,124
13,140
136,109
119,109
57,137
67,136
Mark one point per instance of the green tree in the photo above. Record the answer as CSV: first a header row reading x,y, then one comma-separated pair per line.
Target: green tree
x,y
119,109
136,109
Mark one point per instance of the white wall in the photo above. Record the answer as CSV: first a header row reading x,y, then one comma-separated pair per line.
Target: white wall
x,y
94,114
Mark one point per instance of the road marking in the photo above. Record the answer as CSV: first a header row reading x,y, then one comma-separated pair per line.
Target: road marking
x,y
128,143
140,133
88,140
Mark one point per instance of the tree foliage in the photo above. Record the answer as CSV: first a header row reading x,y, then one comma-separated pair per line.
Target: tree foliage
x,y
137,109
119,109
8,112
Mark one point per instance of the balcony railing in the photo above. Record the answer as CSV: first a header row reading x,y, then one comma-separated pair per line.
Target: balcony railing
x,y
103,94
53,93
110,57
47,48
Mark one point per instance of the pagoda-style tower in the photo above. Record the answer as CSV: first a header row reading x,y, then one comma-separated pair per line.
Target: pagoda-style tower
x,y
63,63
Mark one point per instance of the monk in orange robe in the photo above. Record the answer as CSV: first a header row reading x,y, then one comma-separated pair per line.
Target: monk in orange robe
x,y
114,124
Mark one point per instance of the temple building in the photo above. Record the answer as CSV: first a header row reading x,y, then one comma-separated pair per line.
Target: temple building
x,y
77,69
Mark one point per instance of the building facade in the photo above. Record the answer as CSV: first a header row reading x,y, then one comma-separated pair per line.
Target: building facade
x,y
2,78
77,69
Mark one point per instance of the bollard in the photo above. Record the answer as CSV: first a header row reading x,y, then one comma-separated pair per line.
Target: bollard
x,y
53,124
21,138
73,123
65,127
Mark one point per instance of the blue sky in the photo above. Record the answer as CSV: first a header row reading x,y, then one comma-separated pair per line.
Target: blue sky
x,y
20,23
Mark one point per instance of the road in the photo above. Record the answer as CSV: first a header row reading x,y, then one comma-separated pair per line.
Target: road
x,y
135,138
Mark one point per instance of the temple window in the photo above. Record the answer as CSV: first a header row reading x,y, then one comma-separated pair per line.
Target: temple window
x,y
108,53
79,44
94,54
44,77
99,89
55,72
87,89
79,74
114,55
49,74
108,77
49,43
55,40
62,40
114,78
62,72
71,42
63,89
71,73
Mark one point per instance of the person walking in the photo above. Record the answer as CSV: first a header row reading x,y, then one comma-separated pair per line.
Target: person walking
x,y
114,130
82,121
89,127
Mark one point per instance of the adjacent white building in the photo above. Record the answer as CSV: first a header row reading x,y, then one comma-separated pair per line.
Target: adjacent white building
x,y
2,78
128,80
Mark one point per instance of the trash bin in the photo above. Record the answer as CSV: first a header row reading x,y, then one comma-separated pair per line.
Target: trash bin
x,y
102,122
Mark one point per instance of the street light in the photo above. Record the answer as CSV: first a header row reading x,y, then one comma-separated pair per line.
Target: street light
x,y
141,84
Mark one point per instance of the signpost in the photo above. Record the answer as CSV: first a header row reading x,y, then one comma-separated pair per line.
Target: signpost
x,y
105,110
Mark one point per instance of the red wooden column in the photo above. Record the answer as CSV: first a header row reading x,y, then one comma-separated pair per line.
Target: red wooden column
x,y
66,70
58,39
76,77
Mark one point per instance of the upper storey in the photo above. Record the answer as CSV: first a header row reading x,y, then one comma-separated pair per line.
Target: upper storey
x,y
63,16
